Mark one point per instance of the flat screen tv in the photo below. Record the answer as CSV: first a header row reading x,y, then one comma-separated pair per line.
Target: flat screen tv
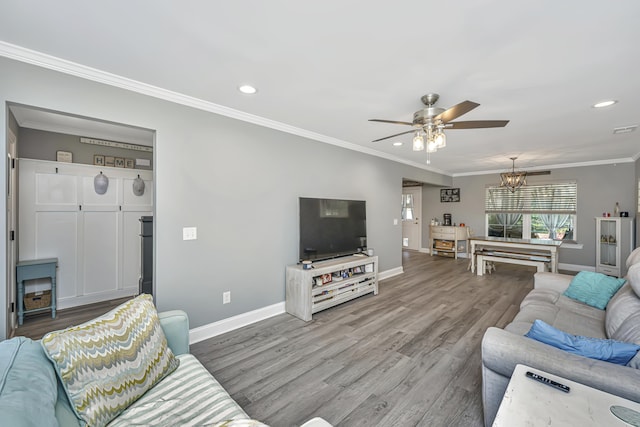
x,y
330,228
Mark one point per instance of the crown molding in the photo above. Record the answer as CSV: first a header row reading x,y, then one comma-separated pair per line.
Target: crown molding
x,y
557,166
50,62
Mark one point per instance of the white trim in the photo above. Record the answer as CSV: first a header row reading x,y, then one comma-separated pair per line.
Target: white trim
x,y
558,166
232,323
575,267
424,250
77,301
229,324
390,273
43,60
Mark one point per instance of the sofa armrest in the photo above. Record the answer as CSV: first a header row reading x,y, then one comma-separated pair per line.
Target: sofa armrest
x,y
553,281
503,350
175,324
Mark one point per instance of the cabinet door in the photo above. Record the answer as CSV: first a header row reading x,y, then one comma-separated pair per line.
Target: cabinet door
x,y
609,235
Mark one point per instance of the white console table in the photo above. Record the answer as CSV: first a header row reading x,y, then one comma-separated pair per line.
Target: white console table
x,y
530,403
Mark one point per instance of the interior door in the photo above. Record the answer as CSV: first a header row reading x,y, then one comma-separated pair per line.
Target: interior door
x,y
411,218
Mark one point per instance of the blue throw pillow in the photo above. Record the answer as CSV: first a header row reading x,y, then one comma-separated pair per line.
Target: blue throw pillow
x,y
594,289
593,348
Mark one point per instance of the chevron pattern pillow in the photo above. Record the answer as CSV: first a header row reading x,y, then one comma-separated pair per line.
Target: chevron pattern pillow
x,y
109,362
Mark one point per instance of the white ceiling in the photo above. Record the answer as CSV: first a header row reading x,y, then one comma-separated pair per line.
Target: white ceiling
x,y
327,67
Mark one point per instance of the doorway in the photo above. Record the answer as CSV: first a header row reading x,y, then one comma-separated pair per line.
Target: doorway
x,y
61,154
412,218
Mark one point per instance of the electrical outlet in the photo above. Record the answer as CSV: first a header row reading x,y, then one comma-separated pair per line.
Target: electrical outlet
x,y
226,297
189,233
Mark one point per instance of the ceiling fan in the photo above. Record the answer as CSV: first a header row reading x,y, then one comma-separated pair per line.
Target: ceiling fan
x,y
431,122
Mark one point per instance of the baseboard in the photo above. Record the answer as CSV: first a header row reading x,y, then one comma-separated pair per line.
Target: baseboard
x,y
390,273
229,324
69,302
424,250
575,267
220,327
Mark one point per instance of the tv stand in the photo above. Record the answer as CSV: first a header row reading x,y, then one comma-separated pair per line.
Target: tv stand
x,y
306,294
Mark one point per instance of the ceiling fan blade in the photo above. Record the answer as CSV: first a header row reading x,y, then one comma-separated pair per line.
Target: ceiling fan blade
x,y
538,173
456,111
391,121
398,134
477,124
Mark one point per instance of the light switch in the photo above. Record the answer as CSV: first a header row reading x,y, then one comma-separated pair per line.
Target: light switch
x,y
395,221
189,233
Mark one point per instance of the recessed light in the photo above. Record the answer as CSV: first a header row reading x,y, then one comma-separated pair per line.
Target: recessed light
x,y
603,104
397,143
248,89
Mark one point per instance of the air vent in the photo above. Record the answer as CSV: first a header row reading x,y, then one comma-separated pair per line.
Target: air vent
x,y
625,129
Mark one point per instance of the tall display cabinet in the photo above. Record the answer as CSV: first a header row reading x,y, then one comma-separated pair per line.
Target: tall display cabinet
x,y
614,243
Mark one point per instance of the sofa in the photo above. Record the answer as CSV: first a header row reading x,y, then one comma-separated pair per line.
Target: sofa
x,y
36,389
503,349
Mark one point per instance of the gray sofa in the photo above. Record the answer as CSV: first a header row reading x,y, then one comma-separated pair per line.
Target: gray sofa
x,y
502,349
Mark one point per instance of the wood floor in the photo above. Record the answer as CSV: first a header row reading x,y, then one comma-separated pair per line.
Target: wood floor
x,y
409,356
36,325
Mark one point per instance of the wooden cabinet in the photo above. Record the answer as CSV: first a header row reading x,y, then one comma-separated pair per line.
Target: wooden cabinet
x,y
448,240
329,283
614,243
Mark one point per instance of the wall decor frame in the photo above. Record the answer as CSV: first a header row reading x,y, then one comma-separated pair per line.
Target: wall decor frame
x,y
64,156
449,195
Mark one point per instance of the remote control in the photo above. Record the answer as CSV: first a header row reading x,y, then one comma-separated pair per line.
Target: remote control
x,y
548,382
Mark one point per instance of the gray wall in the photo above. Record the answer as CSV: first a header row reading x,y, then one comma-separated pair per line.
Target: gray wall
x,y
599,188
237,182
41,145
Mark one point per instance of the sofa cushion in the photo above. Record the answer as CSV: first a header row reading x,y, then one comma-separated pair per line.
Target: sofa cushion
x,y
633,258
190,396
623,304
28,386
602,349
629,330
547,296
109,362
594,289
633,276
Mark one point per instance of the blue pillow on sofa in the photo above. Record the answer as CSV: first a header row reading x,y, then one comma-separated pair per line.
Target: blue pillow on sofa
x,y
608,350
594,289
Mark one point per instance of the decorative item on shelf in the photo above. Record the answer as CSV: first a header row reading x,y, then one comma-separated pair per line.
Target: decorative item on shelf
x,y
513,180
101,183
118,162
616,210
138,186
130,163
306,265
98,159
624,214
64,156
109,161
447,219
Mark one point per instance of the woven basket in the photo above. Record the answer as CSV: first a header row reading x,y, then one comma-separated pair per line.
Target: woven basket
x,y
36,300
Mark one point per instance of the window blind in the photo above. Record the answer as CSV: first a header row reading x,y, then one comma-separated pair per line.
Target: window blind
x,y
559,198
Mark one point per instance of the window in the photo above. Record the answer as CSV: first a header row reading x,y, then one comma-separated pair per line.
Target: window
x,y
544,211
407,207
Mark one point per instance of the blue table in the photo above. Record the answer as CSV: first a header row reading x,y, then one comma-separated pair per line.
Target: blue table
x,y
36,269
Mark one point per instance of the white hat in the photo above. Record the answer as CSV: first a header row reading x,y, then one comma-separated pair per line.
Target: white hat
x,y
101,183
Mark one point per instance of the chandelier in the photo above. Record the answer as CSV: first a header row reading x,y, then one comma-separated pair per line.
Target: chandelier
x,y
513,180
430,137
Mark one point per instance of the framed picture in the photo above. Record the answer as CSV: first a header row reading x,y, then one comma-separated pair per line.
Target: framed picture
x,y
119,162
449,195
109,161
98,160
64,156
130,163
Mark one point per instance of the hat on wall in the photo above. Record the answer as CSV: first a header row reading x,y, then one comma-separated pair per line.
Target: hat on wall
x,y
138,186
101,183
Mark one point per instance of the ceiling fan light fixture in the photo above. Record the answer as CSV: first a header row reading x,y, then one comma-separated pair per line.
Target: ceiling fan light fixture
x,y
431,146
440,139
418,142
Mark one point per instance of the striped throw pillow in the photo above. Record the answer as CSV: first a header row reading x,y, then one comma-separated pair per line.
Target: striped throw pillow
x,y
109,362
